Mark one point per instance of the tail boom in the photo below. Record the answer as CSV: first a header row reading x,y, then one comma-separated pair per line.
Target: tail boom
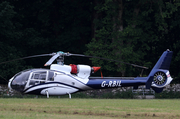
x,y
158,78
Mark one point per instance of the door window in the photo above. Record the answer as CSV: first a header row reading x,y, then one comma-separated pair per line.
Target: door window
x,y
38,77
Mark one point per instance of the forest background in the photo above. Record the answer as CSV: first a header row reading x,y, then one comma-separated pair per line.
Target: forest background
x,y
134,31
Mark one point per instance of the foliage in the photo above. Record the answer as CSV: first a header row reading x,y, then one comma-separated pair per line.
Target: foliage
x,y
134,31
9,35
46,27
168,95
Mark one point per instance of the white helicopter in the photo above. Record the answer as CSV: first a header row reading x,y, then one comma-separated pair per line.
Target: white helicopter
x,y
63,79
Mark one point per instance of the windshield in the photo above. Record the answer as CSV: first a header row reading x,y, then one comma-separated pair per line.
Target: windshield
x,y
35,76
20,80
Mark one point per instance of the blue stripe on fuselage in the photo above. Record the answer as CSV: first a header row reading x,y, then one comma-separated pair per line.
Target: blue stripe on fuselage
x,y
46,84
113,83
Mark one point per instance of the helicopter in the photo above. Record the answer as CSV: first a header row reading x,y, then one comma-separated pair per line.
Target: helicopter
x,y
62,79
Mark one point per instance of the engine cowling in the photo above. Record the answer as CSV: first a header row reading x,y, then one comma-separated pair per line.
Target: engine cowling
x,y
82,71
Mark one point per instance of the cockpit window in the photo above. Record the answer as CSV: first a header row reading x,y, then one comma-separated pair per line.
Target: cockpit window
x,y
39,75
51,76
20,80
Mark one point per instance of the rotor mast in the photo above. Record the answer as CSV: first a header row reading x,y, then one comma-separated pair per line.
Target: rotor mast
x,y
60,59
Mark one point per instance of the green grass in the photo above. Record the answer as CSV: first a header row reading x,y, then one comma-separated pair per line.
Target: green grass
x,y
18,108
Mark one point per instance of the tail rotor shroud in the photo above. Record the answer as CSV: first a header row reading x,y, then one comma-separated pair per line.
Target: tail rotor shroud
x,y
160,78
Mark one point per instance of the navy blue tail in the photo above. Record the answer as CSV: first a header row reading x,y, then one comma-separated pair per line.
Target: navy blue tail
x,y
164,61
159,72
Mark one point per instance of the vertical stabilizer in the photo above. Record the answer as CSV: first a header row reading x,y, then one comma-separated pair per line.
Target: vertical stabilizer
x,y
164,61
159,76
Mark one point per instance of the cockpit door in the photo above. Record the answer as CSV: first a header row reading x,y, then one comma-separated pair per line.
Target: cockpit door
x,y
37,77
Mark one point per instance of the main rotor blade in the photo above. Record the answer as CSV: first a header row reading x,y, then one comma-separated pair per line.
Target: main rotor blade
x,y
50,61
69,54
26,58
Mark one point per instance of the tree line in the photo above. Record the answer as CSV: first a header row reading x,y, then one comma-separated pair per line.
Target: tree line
x,y
133,31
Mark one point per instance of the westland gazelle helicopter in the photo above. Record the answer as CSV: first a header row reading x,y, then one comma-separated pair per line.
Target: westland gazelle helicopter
x,y
63,79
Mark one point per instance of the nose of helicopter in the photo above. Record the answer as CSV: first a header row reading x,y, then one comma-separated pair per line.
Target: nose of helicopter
x,y
9,83
18,82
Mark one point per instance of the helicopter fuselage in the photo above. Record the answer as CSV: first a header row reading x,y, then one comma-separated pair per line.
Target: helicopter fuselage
x,y
53,82
56,82
68,79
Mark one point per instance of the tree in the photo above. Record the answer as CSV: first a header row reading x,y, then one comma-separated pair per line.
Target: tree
x,y
131,31
41,27
112,40
8,35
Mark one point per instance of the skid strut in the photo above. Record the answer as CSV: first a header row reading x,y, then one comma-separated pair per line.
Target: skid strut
x,y
69,95
47,93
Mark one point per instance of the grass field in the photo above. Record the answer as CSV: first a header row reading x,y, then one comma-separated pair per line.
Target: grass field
x,y
53,108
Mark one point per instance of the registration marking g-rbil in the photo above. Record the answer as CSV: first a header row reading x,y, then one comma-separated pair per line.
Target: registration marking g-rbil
x,y
111,84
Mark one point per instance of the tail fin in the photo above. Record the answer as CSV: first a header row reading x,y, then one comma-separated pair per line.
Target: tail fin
x,y
164,61
159,76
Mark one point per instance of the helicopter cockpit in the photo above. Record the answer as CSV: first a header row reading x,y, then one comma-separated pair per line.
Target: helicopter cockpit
x,y
19,81
30,78
40,76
